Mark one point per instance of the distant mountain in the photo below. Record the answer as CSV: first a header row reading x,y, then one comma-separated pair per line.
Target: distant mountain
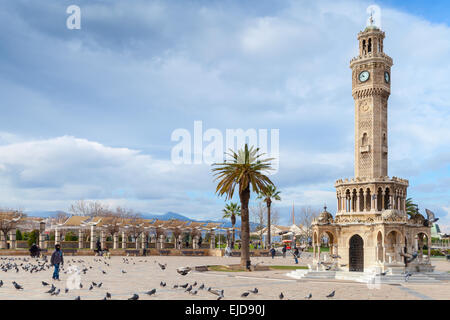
x,y
164,217
42,214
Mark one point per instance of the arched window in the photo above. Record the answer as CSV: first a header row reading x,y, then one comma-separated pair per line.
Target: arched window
x,y
364,139
364,46
369,47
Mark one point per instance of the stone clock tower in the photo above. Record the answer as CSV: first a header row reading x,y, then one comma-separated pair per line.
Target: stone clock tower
x,y
371,87
371,230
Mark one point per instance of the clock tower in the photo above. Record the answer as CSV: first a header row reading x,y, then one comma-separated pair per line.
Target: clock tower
x,y
371,231
371,87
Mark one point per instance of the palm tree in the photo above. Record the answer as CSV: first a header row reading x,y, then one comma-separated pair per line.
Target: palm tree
x,y
246,169
231,211
267,196
411,208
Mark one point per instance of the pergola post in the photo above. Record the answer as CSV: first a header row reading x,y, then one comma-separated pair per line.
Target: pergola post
x,y
116,240
136,239
41,240
124,240
102,239
162,237
212,239
57,236
143,240
2,240
80,239
92,238
41,235
13,238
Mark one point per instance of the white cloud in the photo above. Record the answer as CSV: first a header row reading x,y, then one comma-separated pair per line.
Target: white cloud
x,y
141,70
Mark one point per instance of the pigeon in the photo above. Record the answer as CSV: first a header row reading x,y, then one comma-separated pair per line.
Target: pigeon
x,y
175,286
153,291
184,285
1,283
17,286
331,295
134,297
189,289
430,218
123,271
309,296
100,285
94,284
201,287
108,295
52,289
66,290
383,274
255,291
162,266
77,298
281,296
245,294
183,271
195,283
45,283
193,292
55,293
91,287
162,284
104,272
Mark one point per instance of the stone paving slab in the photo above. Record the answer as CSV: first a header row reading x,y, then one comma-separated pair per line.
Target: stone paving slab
x,y
143,274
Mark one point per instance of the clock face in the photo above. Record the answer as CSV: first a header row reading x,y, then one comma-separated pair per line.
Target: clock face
x,y
387,77
364,76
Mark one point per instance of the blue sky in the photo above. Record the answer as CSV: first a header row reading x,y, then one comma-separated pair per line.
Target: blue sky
x,y
88,114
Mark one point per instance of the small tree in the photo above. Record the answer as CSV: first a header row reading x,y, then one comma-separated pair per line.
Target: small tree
x,y
19,236
33,237
232,210
8,221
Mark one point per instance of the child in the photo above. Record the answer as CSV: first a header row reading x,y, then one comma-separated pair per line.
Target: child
x,y
56,260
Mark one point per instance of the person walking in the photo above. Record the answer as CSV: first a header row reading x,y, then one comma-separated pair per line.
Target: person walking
x,y
284,251
296,255
57,260
272,252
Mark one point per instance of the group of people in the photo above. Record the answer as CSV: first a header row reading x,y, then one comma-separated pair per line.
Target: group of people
x,y
35,251
295,253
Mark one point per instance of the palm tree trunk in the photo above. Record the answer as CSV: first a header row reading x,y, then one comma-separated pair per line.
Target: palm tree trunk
x,y
269,239
245,228
234,237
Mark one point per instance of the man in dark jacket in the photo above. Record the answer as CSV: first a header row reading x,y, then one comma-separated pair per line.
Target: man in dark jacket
x,y
56,260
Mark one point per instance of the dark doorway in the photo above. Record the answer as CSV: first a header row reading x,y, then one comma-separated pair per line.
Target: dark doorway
x,y
356,254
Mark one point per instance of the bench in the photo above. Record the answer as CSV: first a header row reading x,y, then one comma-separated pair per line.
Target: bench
x,y
132,252
164,252
199,253
264,253
187,252
69,251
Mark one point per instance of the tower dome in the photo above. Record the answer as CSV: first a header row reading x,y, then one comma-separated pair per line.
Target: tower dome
x,y
325,216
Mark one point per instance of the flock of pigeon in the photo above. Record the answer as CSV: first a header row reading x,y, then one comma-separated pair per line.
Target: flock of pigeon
x,y
42,265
